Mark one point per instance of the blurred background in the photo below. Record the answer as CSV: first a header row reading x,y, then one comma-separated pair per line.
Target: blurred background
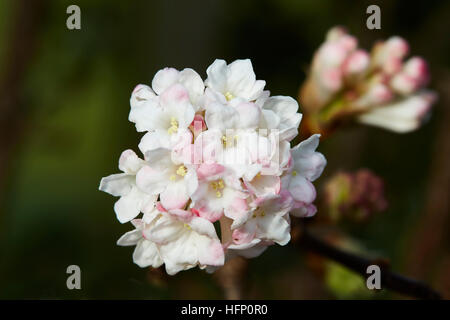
x,y
63,120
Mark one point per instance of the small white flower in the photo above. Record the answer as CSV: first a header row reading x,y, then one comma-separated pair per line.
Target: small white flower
x,y
132,199
167,177
236,80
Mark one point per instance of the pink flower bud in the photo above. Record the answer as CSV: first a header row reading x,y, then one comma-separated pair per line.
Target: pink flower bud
x,y
357,63
413,76
417,68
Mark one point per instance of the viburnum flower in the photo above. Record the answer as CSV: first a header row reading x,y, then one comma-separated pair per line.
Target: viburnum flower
x,y
216,156
379,89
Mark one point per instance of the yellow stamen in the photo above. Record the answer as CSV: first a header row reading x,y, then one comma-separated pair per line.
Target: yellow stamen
x,y
173,177
218,186
228,141
187,226
228,96
173,126
294,173
181,171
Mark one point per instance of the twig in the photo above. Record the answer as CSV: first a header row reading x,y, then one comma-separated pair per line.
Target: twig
x,y
389,279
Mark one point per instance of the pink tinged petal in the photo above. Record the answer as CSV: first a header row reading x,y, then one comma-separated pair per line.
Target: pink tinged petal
x,y
129,162
117,184
211,253
152,181
208,213
244,234
182,215
159,207
140,95
174,95
130,238
180,254
128,206
262,186
217,75
205,171
146,254
237,208
175,195
163,79
308,162
303,210
302,189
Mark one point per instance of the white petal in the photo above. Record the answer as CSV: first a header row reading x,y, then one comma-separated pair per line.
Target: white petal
x,y
143,115
128,206
221,117
217,76
163,79
130,238
241,78
129,162
164,230
146,254
117,184
307,161
275,228
152,181
192,81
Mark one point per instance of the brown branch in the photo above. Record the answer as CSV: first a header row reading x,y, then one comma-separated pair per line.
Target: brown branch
x,y
389,280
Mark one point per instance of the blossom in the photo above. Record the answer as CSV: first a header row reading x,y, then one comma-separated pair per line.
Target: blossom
x,y
217,153
382,88
236,80
132,200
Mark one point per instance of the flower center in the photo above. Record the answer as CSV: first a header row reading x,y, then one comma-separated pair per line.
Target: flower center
x,y
259,212
294,173
228,141
173,126
228,95
181,171
218,186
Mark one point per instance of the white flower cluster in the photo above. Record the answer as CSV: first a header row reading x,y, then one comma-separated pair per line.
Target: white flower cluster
x,y
217,159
